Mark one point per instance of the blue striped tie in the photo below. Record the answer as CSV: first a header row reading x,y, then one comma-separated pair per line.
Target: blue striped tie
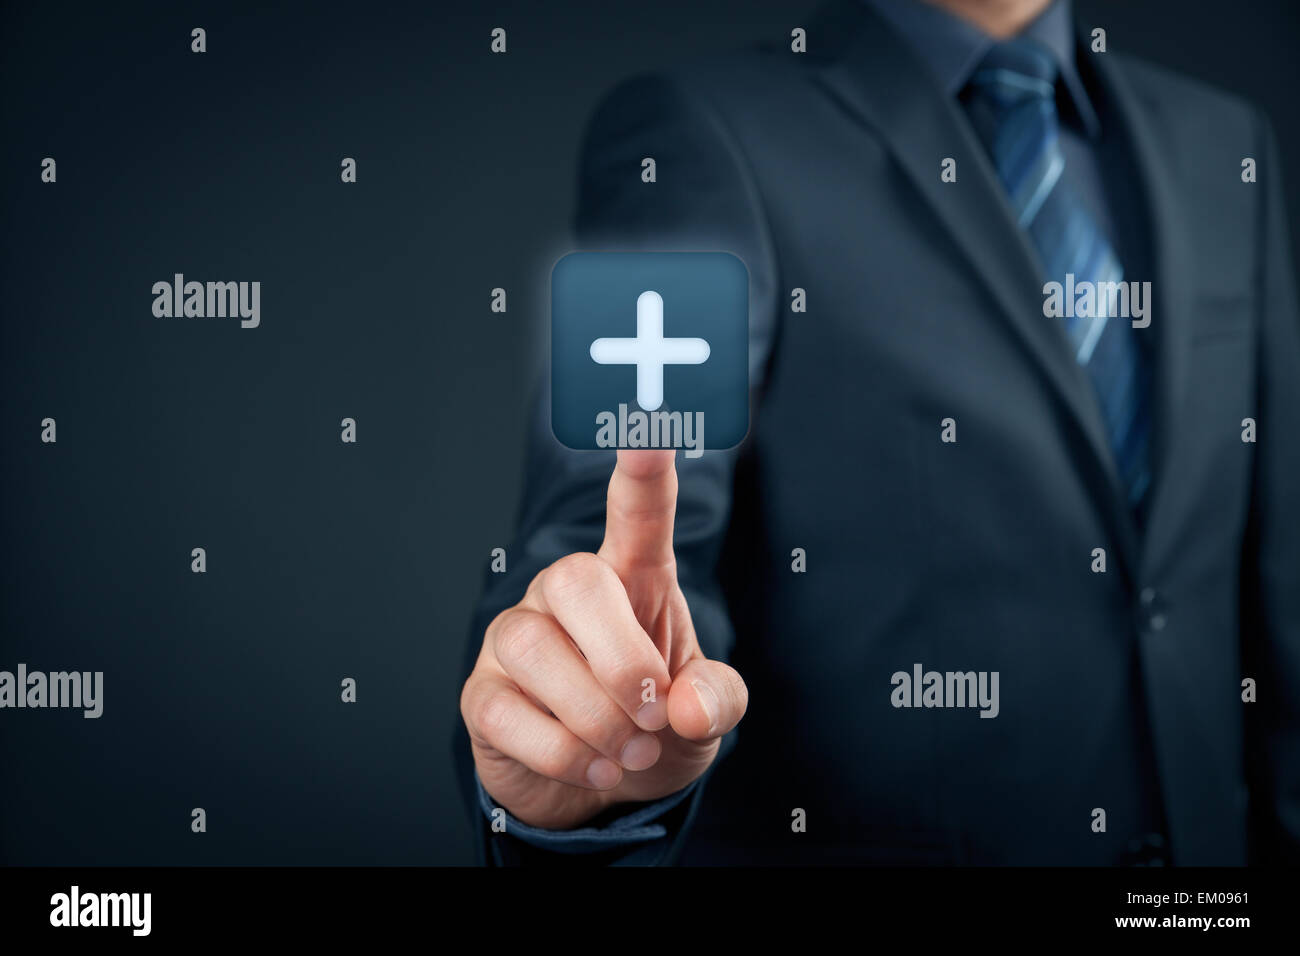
x,y
1012,104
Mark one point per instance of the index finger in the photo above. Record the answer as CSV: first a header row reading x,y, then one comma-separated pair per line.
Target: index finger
x,y
640,508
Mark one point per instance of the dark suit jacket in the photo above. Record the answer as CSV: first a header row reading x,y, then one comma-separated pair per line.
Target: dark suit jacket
x,y
1119,690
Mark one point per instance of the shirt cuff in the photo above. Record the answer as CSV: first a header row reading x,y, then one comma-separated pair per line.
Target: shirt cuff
x,y
636,826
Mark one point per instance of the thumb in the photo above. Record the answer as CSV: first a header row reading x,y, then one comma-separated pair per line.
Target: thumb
x,y
707,698
639,510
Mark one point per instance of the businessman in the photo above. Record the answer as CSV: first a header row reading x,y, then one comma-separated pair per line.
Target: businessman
x,y
1088,516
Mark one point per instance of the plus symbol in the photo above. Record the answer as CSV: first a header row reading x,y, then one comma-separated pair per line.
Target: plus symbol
x,y
649,351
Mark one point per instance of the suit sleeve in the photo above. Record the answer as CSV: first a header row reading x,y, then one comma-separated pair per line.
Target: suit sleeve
x,y
703,198
1271,582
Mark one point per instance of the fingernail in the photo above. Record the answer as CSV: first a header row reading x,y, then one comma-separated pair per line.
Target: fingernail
x,y
603,773
640,753
709,701
653,715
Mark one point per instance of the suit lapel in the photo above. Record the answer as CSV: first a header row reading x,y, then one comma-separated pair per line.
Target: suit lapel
x,y
874,76
1172,263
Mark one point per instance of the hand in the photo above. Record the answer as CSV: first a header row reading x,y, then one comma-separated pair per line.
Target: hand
x,y
559,716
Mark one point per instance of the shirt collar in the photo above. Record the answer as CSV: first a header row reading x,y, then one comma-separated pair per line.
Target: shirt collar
x,y
952,47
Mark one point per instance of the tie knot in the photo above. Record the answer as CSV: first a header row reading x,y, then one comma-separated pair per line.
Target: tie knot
x,y
1016,70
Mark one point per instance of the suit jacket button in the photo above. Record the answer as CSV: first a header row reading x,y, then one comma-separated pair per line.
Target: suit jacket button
x,y
1153,610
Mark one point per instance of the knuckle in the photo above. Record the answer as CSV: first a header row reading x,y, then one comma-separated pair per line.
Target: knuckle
x,y
575,574
553,761
496,622
493,715
625,675
519,637
467,690
599,722
638,512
